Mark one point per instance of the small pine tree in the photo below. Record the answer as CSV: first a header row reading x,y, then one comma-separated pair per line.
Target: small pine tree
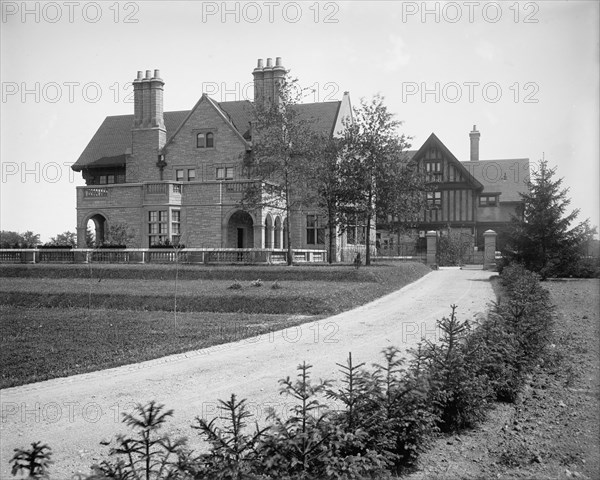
x,y
542,238
34,461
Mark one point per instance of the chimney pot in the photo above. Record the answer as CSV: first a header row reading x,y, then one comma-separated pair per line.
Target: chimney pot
x,y
148,74
269,62
139,74
278,61
260,63
156,73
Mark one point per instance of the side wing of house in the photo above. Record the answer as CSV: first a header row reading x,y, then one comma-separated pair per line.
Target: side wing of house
x,y
503,181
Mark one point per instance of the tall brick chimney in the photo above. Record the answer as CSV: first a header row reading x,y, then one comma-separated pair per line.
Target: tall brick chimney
x,y
474,136
259,86
148,100
267,81
148,134
278,79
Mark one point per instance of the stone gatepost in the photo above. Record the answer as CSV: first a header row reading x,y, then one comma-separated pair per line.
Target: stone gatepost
x,y
489,250
431,247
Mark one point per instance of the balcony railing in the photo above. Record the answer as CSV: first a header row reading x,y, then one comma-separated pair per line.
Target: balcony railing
x,y
156,188
156,255
95,192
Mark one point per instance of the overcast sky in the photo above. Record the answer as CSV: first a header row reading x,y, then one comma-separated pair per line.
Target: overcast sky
x,y
525,73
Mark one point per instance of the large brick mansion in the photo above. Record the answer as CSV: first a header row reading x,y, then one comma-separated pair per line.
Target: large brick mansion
x,y
178,175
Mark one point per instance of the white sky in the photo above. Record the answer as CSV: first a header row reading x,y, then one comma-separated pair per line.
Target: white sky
x,y
530,68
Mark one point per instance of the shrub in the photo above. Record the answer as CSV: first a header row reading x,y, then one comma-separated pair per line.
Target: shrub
x,y
34,462
389,405
296,447
256,283
452,248
528,313
233,453
147,454
458,389
496,354
235,285
276,285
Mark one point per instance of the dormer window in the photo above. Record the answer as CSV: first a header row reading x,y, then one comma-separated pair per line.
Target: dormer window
x,y
488,200
205,140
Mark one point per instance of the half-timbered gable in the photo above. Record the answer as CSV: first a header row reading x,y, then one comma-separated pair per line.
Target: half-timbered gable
x,y
451,201
465,198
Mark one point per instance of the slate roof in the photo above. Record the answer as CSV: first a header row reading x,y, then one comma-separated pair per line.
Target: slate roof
x,y
506,177
322,116
410,154
113,138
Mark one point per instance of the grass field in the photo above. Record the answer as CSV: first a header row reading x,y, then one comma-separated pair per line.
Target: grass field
x,y
62,320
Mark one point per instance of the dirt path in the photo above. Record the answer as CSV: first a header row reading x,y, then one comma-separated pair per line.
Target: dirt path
x,y
74,414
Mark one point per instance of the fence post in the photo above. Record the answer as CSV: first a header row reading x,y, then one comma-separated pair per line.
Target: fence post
x,y
431,247
489,250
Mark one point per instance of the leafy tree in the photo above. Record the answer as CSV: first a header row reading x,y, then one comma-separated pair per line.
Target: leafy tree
x,y
65,238
402,195
118,234
325,187
542,238
283,145
372,164
9,239
31,239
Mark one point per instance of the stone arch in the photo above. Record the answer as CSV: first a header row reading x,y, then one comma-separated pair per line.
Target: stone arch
x,y
240,230
100,221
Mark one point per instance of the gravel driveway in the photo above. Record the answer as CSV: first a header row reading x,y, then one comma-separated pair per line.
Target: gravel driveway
x,y
74,414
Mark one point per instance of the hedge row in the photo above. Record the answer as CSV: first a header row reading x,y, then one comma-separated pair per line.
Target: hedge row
x,y
284,304
385,416
341,273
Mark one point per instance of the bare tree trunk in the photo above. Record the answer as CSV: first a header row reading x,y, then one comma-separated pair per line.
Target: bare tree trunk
x,y
288,234
368,229
331,228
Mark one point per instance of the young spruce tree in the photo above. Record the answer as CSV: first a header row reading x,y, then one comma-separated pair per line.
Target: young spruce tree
x,y
542,238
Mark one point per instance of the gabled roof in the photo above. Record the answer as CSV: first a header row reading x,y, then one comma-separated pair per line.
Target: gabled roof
x,y
113,139
506,177
322,116
410,154
221,110
239,114
434,140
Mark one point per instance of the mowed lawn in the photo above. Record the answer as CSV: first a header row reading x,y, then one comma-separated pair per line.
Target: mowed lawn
x,y
62,320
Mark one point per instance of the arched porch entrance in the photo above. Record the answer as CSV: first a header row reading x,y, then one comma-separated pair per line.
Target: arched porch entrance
x,y
240,230
97,224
